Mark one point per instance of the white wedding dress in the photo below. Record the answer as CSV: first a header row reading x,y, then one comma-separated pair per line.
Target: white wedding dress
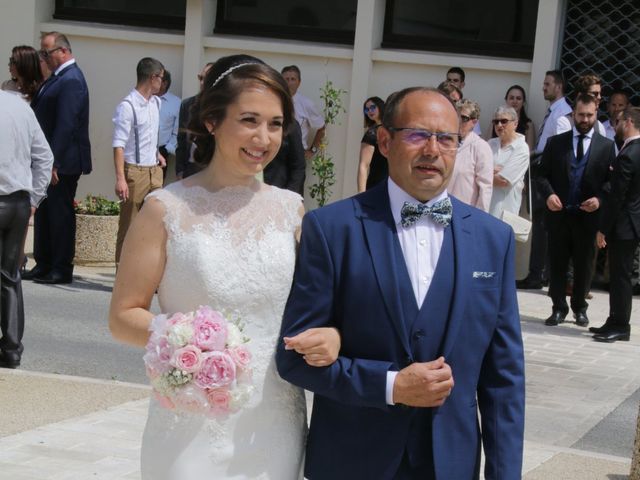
x,y
234,250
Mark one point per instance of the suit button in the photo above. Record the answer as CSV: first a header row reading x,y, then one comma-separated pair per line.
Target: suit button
x,y
418,335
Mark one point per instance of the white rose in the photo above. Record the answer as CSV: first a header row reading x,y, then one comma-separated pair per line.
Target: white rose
x,y
180,335
234,335
239,396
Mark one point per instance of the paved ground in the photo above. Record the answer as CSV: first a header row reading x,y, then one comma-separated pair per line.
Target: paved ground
x,y
582,402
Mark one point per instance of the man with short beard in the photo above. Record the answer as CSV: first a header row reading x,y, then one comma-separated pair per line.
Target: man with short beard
x,y
574,170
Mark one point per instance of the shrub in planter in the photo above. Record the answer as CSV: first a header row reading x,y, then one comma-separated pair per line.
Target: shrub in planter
x,y
96,230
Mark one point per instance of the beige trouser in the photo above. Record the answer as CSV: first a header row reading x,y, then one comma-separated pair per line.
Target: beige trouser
x,y
141,181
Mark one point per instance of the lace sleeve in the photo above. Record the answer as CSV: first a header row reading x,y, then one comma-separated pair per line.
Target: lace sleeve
x,y
171,203
291,203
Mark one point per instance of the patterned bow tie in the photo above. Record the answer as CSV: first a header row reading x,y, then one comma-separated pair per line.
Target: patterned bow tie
x,y
440,212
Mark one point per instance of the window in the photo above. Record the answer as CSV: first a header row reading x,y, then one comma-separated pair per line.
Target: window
x,y
167,14
331,21
504,28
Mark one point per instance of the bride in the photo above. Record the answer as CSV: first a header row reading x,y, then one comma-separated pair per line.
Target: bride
x,y
224,239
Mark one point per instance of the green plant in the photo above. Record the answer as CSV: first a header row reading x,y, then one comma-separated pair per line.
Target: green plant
x,y
322,164
96,205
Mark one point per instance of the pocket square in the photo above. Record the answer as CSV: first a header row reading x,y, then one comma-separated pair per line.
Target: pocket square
x,y
484,274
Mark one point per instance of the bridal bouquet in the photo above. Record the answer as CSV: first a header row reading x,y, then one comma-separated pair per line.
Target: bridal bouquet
x,y
198,362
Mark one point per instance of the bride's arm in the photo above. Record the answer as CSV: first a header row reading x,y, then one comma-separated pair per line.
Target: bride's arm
x,y
318,346
139,272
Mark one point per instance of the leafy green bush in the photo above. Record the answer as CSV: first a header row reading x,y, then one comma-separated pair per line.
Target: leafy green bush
x,y
97,205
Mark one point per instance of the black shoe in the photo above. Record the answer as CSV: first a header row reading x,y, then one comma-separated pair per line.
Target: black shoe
x,y
612,336
53,278
9,360
581,319
528,284
603,329
35,272
636,289
556,318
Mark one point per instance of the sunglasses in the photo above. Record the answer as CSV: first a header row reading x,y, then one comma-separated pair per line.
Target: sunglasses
x,y
370,108
500,121
47,53
465,118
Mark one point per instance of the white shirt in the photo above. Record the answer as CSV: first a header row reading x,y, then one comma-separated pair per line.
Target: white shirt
x,y
169,112
421,244
25,158
64,65
148,114
609,130
514,160
557,109
586,141
308,116
630,139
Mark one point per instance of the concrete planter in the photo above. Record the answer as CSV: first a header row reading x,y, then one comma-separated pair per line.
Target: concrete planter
x,y
96,239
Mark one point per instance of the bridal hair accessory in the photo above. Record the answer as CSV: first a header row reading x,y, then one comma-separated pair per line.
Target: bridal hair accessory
x,y
229,70
198,363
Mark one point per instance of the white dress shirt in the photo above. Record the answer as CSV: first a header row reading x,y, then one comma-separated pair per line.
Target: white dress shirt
x,y
25,158
308,116
169,112
148,114
557,109
64,65
514,160
586,141
421,244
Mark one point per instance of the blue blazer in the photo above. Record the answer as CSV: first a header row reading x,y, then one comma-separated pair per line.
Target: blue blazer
x,y
349,275
62,109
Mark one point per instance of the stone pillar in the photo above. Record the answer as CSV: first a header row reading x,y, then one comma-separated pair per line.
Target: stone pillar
x,y
635,462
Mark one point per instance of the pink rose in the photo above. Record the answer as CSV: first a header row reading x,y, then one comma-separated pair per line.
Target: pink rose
x,y
217,370
241,356
191,399
165,402
187,359
219,399
210,329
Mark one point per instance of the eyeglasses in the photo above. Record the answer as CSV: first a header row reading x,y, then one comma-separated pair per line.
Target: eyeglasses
x,y
501,121
595,94
465,118
44,53
418,137
370,108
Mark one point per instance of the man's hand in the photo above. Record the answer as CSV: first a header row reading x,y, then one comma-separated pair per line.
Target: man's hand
x,y
425,384
122,189
554,203
319,346
54,176
590,204
601,241
161,160
308,154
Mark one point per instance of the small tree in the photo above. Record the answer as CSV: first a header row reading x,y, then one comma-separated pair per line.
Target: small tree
x,y
322,163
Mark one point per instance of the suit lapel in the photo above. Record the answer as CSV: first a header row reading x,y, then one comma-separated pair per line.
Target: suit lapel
x,y
381,238
48,82
463,248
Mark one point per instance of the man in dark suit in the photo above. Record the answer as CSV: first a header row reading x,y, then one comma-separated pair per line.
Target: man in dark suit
x,y
620,228
62,109
572,177
184,156
287,169
410,277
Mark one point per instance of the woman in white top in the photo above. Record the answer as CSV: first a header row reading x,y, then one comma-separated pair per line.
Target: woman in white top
x,y
510,162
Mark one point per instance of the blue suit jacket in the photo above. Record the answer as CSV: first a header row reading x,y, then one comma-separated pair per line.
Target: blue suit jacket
x,y
347,276
62,109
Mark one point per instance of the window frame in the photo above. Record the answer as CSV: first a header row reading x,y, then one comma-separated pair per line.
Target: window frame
x,y
450,45
309,34
167,22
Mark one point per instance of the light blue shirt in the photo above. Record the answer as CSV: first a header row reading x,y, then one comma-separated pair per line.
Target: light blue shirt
x,y
168,133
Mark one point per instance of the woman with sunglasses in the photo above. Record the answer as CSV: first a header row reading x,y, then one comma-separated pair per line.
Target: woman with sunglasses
x,y
372,168
25,70
510,162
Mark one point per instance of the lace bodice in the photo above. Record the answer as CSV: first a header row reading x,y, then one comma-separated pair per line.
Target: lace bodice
x,y
234,250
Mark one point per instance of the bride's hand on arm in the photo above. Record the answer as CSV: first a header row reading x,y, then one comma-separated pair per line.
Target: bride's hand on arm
x,y
139,272
318,346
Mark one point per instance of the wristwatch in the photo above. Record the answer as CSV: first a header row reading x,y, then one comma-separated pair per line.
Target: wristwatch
x,y
313,149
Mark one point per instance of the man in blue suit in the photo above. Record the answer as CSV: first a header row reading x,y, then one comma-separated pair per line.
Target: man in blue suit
x,y
62,109
421,287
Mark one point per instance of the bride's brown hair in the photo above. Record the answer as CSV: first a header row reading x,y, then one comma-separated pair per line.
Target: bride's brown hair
x,y
224,82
